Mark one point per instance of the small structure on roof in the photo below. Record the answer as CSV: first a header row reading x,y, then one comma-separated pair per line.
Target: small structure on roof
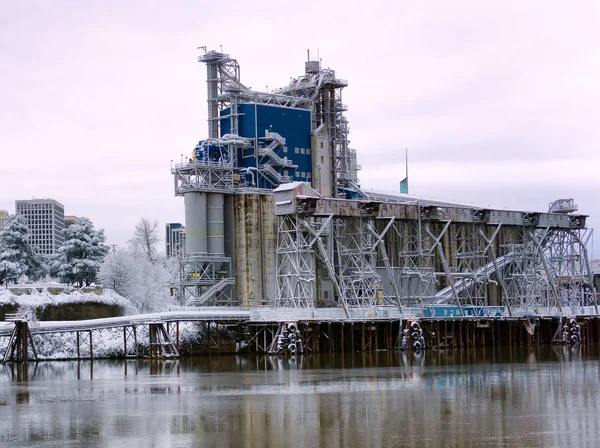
x,y
287,195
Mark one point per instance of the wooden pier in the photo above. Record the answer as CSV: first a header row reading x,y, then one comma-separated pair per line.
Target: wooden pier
x,y
230,333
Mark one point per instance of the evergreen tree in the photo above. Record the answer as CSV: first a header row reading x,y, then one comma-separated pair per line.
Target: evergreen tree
x,y
82,253
17,257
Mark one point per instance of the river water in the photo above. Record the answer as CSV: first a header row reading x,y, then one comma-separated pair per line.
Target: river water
x,y
546,396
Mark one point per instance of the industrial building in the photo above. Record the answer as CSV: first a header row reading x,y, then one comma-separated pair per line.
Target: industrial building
x,y
275,217
46,221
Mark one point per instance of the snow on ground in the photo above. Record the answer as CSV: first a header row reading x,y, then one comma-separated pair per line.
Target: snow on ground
x,y
35,296
107,343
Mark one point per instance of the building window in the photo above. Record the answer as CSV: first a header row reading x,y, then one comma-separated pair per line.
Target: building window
x,y
301,150
285,149
308,151
321,145
296,150
322,159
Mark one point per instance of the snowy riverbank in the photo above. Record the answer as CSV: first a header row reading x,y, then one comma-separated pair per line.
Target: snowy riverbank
x,y
28,297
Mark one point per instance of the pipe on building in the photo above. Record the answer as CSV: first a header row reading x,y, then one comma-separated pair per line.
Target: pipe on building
x,y
215,224
195,223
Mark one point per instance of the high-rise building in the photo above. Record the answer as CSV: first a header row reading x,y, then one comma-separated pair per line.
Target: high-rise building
x,y
3,215
174,240
46,221
70,220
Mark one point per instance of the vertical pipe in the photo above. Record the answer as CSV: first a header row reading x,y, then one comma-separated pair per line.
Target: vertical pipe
x,y
215,229
195,223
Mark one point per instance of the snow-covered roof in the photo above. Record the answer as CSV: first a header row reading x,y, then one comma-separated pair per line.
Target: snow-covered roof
x,y
287,187
402,197
302,190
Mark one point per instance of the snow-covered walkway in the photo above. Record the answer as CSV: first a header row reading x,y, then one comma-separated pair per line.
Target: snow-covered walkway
x,y
205,314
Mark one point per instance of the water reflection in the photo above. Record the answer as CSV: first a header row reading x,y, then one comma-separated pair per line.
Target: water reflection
x,y
547,396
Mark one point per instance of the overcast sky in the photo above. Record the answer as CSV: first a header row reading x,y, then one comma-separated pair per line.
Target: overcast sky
x,y
497,102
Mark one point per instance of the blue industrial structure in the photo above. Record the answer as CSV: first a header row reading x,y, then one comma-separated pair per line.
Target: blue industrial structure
x,y
280,139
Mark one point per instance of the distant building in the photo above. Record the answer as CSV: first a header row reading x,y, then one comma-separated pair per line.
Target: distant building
x,y
46,221
3,215
174,240
70,220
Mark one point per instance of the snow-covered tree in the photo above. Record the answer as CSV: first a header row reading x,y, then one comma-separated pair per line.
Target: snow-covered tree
x,y
119,272
145,238
17,257
151,293
82,253
137,279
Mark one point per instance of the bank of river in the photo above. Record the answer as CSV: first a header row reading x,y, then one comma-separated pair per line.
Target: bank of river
x,y
547,396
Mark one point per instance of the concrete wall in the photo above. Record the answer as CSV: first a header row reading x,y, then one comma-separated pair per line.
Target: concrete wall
x,y
255,257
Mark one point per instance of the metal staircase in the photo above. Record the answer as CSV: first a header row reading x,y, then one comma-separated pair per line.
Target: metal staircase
x,y
269,151
275,176
211,292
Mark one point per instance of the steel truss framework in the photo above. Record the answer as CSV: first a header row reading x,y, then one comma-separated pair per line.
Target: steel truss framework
x,y
205,281
296,268
356,257
325,92
467,265
196,175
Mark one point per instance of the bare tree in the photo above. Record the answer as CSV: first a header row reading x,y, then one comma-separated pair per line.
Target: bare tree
x,y
145,238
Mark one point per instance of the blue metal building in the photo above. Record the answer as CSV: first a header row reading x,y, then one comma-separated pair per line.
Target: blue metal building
x,y
282,142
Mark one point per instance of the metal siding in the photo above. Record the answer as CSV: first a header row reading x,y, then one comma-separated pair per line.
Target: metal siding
x,y
292,124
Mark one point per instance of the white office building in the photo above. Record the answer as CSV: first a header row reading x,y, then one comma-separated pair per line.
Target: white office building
x,y
46,221
174,240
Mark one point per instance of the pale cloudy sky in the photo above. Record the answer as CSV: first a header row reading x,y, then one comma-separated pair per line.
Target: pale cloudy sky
x,y
497,102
